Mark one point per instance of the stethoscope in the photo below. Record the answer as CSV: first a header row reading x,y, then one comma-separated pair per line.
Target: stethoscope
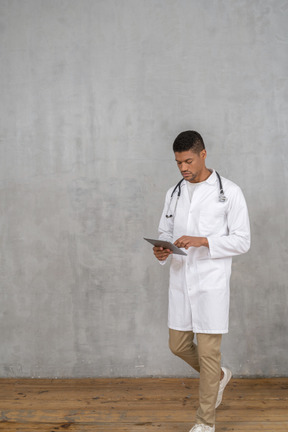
x,y
222,197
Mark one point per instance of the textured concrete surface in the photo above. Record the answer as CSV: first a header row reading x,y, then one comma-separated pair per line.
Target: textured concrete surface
x,y
93,92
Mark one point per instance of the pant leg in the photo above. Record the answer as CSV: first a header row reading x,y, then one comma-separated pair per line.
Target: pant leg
x,y
181,344
210,369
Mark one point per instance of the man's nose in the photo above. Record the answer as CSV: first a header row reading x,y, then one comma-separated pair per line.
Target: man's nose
x,y
183,166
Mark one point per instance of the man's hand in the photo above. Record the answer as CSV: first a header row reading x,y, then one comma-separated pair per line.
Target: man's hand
x,y
187,241
161,254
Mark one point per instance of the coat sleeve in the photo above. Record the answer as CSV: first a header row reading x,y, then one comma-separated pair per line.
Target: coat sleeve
x,y
237,241
166,225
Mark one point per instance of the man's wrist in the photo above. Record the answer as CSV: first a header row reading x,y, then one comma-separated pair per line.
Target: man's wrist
x,y
205,242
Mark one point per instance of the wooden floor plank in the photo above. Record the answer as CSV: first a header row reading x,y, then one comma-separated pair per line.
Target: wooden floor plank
x,y
141,427
136,415
130,391
186,402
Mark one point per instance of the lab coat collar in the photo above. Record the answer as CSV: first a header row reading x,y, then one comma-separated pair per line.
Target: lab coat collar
x,y
212,178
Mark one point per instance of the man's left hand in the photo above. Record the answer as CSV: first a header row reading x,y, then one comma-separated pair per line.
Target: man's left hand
x,y
187,241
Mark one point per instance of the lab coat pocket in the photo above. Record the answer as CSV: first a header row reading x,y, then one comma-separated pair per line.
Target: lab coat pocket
x,y
211,223
211,274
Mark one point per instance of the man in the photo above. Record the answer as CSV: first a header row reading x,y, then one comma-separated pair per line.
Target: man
x,y
207,216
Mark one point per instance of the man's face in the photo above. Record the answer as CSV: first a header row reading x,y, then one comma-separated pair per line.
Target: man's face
x,y
191,165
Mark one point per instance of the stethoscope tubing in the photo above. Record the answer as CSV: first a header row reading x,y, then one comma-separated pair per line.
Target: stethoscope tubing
x,y
222,197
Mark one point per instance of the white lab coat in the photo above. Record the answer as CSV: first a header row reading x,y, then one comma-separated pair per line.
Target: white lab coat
x,y
199,291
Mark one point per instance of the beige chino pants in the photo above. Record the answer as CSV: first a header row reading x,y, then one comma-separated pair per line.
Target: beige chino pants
x,y
205,357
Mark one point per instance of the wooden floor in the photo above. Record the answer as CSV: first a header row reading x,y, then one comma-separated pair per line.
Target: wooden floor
x,y
137,405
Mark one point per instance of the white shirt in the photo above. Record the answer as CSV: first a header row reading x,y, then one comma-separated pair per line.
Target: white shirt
x,y
191,188
199,291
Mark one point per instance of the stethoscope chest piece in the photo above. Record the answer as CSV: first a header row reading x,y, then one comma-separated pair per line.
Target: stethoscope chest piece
x,y
222,197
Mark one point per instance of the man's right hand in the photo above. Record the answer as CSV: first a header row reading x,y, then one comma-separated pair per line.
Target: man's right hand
x,y
161,254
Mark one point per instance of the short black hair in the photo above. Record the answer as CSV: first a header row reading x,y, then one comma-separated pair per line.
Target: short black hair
x,y
189,140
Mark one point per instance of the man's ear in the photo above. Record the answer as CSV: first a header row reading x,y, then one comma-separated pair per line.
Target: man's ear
x,y
203,154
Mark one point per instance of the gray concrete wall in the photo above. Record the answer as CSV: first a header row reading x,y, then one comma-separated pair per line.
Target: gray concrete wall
x,y
92,95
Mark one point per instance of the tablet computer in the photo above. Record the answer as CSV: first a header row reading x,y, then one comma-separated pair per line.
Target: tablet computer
x,y
166,245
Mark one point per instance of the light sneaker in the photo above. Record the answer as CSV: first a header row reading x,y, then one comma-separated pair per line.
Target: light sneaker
x,y
202,428
223,383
